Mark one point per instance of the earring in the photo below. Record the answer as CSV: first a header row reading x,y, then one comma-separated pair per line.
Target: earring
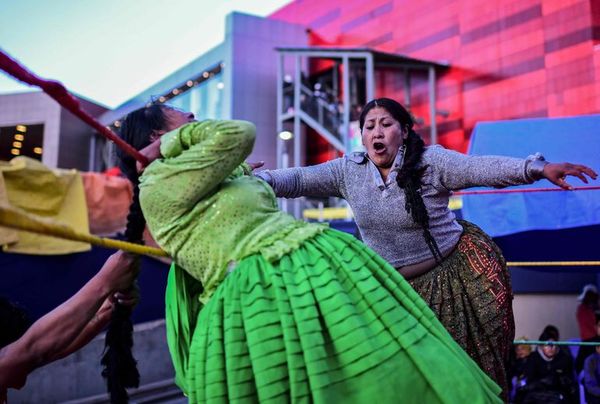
x,y
403,151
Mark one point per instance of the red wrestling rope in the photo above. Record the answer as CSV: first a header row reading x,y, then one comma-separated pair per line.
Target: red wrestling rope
x,y
57,91
515,191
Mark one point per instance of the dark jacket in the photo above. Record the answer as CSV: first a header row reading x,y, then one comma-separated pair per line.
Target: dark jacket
x,y
591,378
583,353
549,381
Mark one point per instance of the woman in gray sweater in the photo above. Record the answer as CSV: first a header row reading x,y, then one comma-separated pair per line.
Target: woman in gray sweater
x,y
398,191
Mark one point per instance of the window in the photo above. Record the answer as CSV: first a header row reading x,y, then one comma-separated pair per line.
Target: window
x,y
205,100
21,140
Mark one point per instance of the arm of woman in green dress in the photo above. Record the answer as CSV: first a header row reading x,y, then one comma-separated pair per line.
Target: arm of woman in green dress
x,y
197,158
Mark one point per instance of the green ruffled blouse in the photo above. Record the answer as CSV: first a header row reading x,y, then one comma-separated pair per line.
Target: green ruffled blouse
x,y
204,207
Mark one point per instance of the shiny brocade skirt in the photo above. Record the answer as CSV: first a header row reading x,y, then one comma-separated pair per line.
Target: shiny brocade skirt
x,y
471,294
330,322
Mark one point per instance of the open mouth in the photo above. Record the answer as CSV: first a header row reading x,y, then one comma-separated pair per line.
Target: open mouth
x,y
378,147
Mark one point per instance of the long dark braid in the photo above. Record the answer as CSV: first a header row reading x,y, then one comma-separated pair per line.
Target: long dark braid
x,y
409,179
120,368
409,175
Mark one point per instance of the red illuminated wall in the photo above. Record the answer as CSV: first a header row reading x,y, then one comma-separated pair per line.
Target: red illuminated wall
x,y
509,59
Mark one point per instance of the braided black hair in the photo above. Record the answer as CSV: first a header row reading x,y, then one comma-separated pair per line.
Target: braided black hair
x,y
120,368
409,175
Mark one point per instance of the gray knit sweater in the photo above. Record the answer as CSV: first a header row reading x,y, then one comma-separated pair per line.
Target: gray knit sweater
x,y
378,207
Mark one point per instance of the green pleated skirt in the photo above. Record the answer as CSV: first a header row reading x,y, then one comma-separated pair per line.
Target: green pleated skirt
x,y
329,322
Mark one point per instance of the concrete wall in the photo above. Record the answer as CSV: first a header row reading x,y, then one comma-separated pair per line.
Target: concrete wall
x,y
66,137
533,312
253,87
79,375
75,137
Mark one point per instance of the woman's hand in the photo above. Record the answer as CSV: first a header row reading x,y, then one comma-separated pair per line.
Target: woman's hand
x,y
557,173
128,299
119,271
254,166
151,152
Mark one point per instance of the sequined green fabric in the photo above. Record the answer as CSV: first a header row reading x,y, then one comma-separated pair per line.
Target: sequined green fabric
x,y
205,212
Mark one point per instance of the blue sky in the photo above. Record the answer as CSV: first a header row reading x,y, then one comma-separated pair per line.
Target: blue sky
x,y
110,50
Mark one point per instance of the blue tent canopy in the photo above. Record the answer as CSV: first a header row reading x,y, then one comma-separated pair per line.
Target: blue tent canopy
x,y
574,139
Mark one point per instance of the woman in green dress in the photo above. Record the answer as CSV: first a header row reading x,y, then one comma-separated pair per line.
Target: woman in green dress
x,y
262,307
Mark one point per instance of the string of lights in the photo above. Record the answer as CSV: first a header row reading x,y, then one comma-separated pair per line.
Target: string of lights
x,y
184,87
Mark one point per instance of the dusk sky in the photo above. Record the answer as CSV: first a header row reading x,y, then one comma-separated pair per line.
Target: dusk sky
x,y
110,50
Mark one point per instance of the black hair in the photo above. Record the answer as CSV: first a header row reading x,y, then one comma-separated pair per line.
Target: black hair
x,y
120,368
590,297
410,173
547,335
14,321
550,331
136,129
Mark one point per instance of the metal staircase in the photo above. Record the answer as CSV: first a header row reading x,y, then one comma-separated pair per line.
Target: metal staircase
x,y
350,77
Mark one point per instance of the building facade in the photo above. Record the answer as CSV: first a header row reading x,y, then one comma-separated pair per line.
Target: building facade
x,y
237,79
34,125
507,59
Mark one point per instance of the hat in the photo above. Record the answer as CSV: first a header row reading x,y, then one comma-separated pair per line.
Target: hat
x,y
547,336
586,289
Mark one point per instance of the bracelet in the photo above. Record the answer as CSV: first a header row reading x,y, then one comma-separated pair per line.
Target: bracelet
x,y
534,167
265,176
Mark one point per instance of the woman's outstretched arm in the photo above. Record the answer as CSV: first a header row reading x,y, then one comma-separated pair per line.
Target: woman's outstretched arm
x,y
459,171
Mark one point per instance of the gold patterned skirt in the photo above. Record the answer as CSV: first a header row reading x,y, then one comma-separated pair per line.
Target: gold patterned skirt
x,y
471,294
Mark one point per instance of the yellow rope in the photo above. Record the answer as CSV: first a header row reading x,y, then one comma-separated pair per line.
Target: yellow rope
x,y
21,220
553,263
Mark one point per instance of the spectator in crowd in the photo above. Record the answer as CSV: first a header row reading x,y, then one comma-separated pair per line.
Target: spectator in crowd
x,y
518,363
549,376
553,332
591,377
587,311
586,350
